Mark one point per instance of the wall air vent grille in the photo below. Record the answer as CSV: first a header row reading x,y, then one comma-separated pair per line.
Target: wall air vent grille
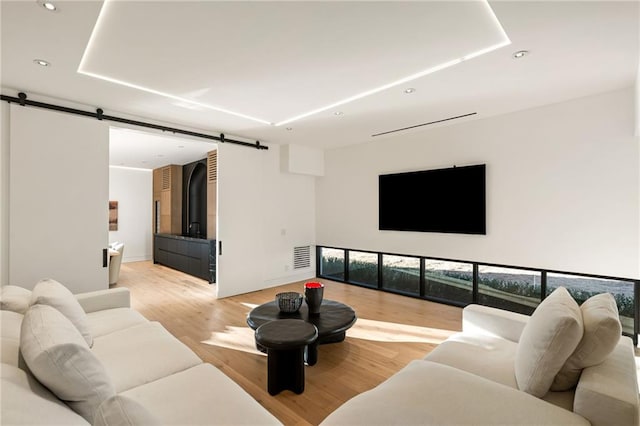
x,y
301,257
424,124
212,166
166,178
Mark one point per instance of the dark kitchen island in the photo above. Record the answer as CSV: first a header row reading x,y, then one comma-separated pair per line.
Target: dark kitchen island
x,y
193,256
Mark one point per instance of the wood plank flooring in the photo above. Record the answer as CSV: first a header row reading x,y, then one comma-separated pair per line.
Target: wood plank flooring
x,y
391,331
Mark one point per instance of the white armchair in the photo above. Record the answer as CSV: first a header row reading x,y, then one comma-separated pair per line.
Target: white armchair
x,y
115,259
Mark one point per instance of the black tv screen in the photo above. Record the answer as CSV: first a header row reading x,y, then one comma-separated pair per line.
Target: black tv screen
x,y
450,200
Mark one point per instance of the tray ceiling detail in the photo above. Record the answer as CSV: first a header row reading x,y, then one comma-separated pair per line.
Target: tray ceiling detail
x,y
277,62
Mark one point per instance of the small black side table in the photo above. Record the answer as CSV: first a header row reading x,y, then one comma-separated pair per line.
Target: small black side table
x,y
334,320
285,341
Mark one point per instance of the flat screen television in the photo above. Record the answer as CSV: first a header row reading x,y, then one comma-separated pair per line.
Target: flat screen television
x,y
450,200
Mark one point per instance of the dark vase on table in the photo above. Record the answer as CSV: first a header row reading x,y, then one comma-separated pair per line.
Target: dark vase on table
x,y
313,293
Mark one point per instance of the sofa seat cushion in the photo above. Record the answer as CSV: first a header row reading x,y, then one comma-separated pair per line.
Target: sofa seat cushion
x,y
602,331
15,299
59,357
141,354
10,323
486,356
120,410
110,320
52,293
430,393
191,393
24,401
548,339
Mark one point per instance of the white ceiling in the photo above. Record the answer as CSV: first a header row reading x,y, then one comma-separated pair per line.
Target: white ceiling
x,y
276,60
144,150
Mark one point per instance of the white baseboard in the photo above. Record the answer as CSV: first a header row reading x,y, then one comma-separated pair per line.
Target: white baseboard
x,y
301,276
127,259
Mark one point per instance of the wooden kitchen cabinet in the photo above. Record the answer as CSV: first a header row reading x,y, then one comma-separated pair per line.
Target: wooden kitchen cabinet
x,y
167,200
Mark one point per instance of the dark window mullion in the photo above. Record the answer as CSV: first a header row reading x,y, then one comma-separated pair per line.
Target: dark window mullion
x,y
422,277
346,265
380,283
474,297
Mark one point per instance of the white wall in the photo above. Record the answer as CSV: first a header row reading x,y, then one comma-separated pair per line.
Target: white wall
x,y
562,188
4,193
302,160
288,209
637,111
133,190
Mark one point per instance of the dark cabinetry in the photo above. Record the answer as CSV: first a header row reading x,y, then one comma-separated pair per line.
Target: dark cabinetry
x,y
194,256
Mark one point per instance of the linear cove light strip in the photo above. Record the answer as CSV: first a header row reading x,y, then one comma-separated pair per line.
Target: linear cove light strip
x,y
506,41
81,70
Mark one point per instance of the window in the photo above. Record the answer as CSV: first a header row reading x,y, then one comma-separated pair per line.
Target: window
x,y
332,263
517,290
460,283
363,268
448,280
401,274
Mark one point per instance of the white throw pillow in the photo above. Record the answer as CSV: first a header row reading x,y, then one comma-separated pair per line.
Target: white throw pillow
x,y
52,293
548,339
602,331
15,299
123,411
58,356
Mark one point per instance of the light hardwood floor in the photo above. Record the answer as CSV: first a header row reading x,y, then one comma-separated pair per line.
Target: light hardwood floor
x,y
391,330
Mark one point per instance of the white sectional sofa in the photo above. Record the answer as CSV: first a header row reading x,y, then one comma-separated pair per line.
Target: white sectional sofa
x,y
144,375
498,371
501,368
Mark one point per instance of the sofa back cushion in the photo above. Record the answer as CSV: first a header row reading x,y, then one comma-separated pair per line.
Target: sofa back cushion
x,y
52,293
14,298
602,331
59,357
10,337
549,338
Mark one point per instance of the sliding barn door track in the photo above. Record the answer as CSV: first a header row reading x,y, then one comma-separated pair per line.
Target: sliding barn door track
x,y
99,114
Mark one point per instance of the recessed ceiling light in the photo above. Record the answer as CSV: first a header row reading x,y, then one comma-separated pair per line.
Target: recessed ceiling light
x,y
47,5
409,90
338,113
41,62
520,54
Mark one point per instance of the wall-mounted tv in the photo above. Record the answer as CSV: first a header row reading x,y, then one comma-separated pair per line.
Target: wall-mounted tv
x,y
450,200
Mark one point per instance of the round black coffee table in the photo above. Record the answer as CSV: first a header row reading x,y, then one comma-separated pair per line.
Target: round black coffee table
x,y
332,322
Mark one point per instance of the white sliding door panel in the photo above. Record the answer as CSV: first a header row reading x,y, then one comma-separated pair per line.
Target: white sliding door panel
x,y
59,186
240,265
